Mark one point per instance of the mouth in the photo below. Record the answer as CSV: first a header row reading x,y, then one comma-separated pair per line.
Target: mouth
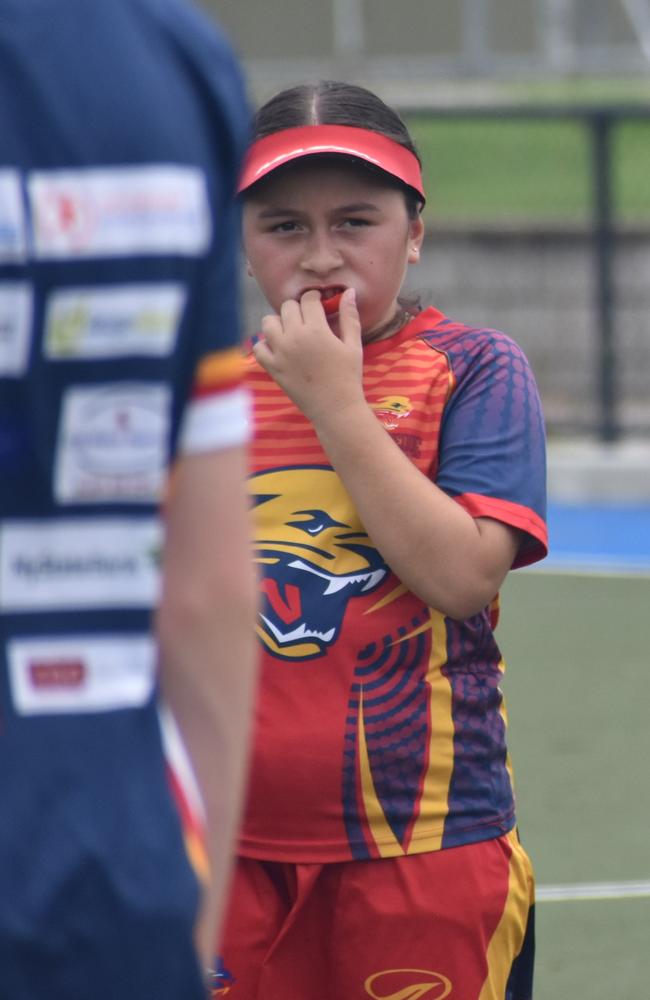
x,y
330,297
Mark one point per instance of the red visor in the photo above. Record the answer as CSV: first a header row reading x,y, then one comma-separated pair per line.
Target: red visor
x,y
273,151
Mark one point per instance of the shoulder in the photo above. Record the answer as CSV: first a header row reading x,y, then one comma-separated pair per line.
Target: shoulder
x,y
473,349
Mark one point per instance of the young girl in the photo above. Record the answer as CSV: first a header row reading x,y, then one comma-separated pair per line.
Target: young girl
x,y
398,475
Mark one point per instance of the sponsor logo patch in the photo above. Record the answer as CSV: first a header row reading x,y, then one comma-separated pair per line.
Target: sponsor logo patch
x,y
79,563
80,673
112,443
113,322
13,243
57,673
15,327
120,211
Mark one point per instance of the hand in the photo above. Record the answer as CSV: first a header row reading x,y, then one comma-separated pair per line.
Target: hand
x,y
317,369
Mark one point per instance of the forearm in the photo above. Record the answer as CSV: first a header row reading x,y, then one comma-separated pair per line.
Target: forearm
x,y
206,632
429,541
207,679
452,561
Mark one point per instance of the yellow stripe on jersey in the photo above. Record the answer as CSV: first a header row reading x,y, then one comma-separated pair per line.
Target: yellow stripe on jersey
x,y
441,745
197,855
220,367
503,711
388,599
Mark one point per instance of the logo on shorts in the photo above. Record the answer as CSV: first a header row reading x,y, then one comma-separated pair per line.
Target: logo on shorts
x,y
407,984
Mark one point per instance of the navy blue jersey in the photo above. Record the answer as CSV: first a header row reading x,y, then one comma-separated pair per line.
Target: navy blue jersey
x,y
122,128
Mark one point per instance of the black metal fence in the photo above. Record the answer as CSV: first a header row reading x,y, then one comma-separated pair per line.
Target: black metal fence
x,y
600,123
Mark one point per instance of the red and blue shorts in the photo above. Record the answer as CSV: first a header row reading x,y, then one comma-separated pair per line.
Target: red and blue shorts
x,y
454,923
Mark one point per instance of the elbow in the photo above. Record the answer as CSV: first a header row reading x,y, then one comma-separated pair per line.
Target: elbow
x,y
463,608
460,600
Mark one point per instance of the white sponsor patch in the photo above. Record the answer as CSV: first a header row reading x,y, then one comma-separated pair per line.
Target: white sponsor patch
x,y
79,563
13,242
15,327
120,211
120,321
215,422
112,443
81,673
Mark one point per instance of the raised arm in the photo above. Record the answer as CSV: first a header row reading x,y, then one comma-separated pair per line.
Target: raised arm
x,y
451,560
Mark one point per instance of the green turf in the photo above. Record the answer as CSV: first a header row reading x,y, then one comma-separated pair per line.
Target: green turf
x,y
593,951
578,89
576,687
489,169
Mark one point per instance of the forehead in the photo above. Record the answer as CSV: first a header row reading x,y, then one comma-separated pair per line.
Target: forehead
x,y
332,176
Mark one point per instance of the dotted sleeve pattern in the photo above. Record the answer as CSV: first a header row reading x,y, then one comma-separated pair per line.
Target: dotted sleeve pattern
x,y
492,446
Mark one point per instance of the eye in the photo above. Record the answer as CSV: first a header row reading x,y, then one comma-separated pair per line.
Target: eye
x,y
313,522
288,226
354,222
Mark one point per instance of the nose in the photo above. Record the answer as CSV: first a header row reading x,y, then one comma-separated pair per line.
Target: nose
x,y
321,255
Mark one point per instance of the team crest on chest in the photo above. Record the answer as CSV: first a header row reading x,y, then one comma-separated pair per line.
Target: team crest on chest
x,y
314,558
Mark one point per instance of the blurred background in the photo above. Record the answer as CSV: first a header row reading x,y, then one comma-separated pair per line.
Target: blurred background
x,y
533,121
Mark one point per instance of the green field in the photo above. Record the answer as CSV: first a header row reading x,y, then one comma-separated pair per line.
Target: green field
x,y
485,168
576,687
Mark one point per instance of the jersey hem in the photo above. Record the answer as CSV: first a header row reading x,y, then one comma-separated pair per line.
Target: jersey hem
x,y
428,842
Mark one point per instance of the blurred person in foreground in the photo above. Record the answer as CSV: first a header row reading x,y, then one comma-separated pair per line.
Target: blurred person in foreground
x,y
122,125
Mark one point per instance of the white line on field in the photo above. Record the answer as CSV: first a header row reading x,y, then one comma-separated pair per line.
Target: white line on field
x,y
591,890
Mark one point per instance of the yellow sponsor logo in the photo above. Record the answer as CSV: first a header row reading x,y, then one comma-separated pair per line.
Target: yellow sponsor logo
x,y
407,984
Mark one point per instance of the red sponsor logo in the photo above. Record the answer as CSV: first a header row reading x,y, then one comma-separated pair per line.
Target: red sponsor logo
x,y
68,673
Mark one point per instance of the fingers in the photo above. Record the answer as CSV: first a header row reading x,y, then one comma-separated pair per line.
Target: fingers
x,y
270,330
349,322
312,308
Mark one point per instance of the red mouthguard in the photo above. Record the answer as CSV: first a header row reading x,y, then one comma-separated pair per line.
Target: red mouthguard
x,y
332,304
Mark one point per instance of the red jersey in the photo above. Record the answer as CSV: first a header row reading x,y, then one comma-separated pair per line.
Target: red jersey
x,y
380,727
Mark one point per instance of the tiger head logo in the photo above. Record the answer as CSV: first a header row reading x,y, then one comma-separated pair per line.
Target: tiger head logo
x,y
314,558
391,409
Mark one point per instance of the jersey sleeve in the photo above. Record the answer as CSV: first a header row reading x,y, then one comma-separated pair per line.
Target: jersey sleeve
x,y
492,451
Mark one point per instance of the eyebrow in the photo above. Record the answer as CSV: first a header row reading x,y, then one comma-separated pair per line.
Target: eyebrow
x,y
357,206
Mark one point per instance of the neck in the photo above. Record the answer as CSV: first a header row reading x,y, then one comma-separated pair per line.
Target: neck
x,y
395,323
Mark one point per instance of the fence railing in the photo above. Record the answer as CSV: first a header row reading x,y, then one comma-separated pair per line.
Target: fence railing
x,y
600,123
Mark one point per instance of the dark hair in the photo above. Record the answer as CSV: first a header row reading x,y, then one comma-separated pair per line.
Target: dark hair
x,y
333,102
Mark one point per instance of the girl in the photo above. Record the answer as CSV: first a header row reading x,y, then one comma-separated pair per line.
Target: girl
x,y
398,474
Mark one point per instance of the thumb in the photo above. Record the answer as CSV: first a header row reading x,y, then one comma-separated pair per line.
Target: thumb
x,y
349,322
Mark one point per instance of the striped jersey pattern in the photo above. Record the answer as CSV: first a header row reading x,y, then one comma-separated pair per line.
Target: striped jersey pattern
x,y
380,728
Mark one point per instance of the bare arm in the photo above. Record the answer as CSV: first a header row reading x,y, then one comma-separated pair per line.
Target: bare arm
x,y
454,562
205,624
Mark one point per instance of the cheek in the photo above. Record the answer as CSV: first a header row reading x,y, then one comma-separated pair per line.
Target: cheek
x,y
265,263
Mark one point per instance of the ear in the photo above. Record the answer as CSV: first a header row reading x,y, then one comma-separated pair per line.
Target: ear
x,y
416,237
249,269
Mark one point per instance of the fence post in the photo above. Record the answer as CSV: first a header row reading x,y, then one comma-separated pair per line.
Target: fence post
x,y
600,123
